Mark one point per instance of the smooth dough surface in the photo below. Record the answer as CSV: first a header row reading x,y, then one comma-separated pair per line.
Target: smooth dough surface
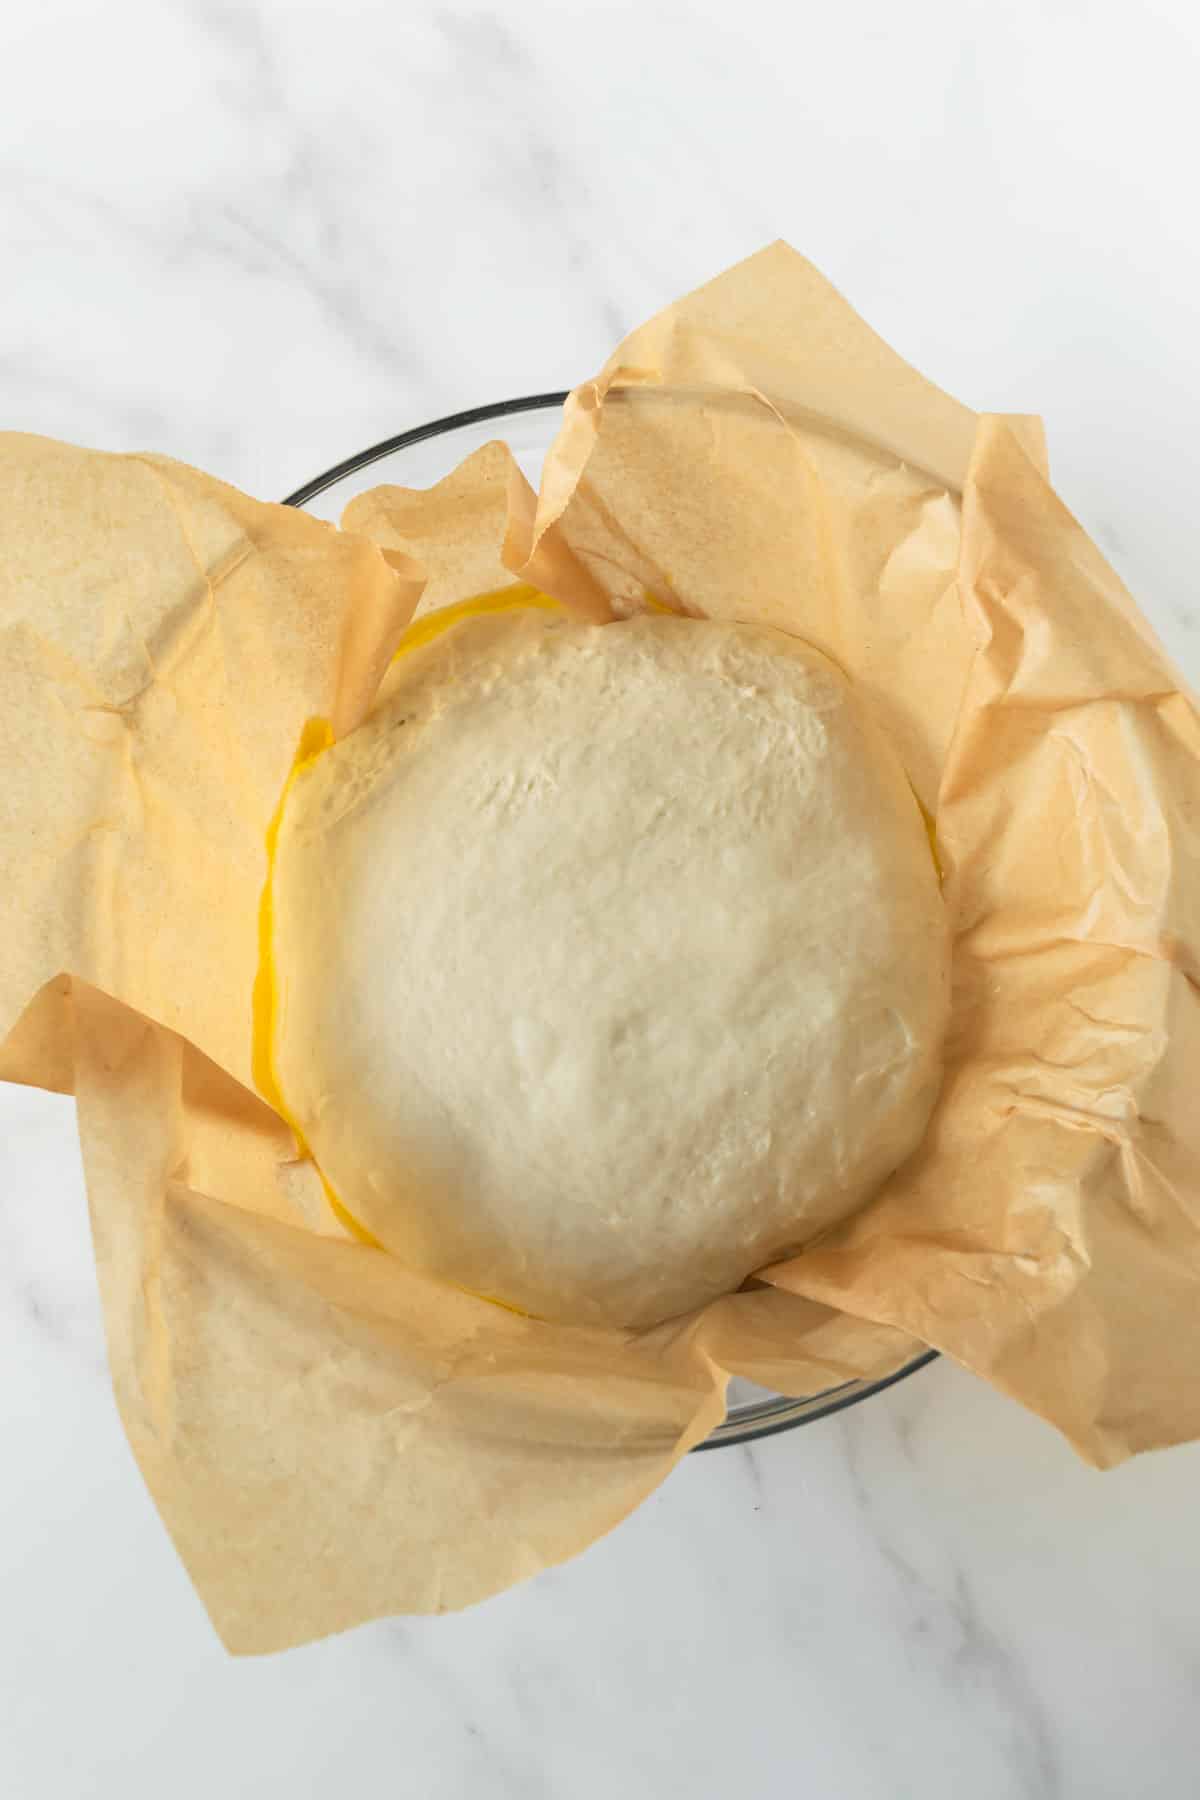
x,y
611,960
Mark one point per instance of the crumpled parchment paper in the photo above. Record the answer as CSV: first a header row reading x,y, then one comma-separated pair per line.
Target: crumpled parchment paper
x,y
330,1437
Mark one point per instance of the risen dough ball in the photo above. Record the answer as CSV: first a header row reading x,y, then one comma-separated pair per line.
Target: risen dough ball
x,y
612,960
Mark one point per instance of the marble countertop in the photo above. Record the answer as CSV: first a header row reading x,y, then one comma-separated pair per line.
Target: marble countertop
x,y
261,236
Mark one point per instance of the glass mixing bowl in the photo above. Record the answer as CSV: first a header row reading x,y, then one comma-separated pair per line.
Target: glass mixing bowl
x,y
417,459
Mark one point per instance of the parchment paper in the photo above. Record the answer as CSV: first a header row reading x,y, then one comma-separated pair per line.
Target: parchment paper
x,y
329,1437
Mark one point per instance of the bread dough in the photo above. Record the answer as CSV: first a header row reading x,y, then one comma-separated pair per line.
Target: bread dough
x,y
611,961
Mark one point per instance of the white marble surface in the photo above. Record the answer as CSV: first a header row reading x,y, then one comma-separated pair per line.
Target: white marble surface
x,y
259,236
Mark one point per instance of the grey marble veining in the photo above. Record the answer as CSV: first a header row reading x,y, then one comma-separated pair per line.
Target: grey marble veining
x,y
261,236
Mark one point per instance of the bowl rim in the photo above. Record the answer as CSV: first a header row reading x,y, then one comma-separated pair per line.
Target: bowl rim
x,y
767,1418
403,440
758,1418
